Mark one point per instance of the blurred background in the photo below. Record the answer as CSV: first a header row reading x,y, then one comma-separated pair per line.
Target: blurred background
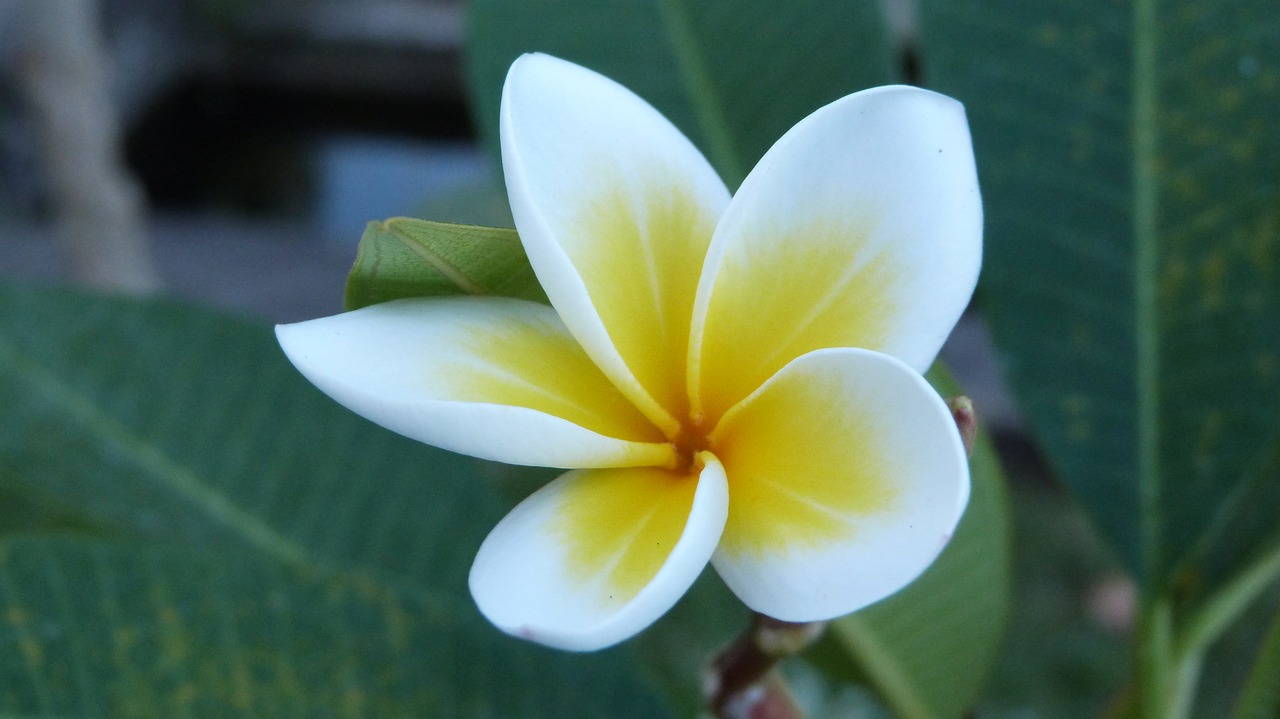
x,y
230,152
236,149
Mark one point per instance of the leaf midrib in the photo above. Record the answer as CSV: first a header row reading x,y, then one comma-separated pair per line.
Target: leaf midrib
x,y
701,92
190,486
886,670
443,266
180,480
1146,138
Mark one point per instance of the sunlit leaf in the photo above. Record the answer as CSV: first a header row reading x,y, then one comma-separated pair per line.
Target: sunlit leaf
x,y
403,257
94,628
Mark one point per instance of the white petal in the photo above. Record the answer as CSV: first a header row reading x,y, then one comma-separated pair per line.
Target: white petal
x,y
848,477
494,378
598,555
615,208
861,227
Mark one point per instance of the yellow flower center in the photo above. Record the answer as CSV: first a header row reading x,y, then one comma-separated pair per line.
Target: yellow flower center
x,y
689,441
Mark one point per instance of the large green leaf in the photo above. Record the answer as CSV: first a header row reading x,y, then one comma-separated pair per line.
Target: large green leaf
x,y
100,629
732,74
243,539
925,650
1130,161
1260,698
166,422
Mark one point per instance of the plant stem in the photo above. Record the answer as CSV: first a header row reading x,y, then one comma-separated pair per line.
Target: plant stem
x,y
1169,664
1166,677
742,684
1229,602
1154,654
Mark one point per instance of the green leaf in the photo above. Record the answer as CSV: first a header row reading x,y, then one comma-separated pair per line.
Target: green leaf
x,y
1260,698
676,651
1240,559
240,498
734,75
164,422
1131,173
1240,554
403,257
926,649
98,629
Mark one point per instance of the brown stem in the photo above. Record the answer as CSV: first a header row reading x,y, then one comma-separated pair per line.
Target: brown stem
x,y
741,682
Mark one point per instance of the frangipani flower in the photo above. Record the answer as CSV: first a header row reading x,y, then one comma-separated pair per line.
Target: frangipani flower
x,y
731,380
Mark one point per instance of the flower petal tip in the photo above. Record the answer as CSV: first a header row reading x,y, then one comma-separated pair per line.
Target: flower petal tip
x,y
595,557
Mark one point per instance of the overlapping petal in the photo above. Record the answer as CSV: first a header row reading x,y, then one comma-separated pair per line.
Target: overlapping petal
x,y
494,378
848,477
616,209
861,227
597,555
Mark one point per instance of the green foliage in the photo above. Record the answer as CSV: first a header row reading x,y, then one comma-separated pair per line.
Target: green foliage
x,y
1129,161
1129,158
1261,696
240,544
403,257
734,75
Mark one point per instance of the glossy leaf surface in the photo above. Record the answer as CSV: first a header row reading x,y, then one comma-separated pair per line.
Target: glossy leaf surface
x,y
240,544
733,75
1129,158
403,257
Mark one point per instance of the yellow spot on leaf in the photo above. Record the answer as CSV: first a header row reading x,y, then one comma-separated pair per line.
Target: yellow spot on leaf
x,y
1077,409
1230,99
1049,34
1079,430
19,622
1212,274
1265,365
1081,335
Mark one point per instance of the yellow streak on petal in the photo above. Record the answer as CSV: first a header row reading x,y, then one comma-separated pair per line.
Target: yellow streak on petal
x,y
802,468
776,298
640,252
620,525
526,365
